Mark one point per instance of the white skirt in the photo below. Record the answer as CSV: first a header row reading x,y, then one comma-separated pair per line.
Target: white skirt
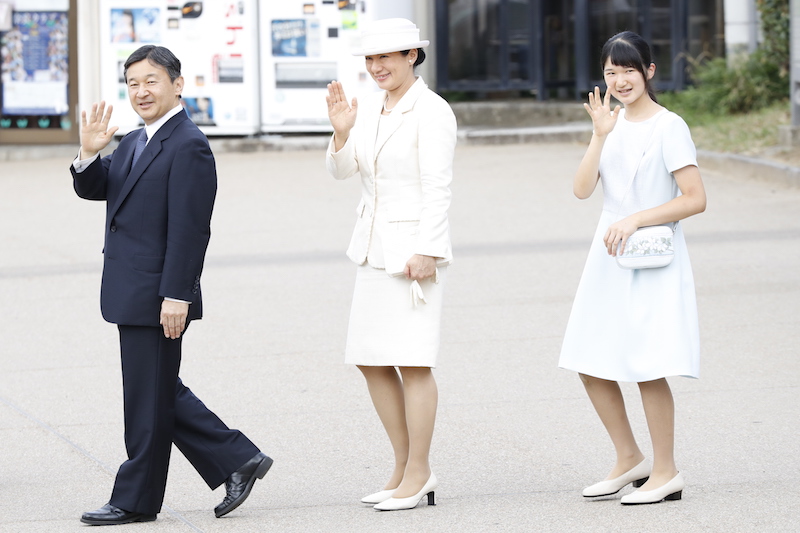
x,y
633,325
386,328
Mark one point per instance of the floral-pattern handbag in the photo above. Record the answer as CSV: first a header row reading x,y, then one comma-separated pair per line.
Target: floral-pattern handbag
x,y
648,247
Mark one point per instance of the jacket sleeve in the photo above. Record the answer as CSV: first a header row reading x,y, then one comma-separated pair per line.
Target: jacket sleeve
x,y
437,142
92,183
191,192
344,163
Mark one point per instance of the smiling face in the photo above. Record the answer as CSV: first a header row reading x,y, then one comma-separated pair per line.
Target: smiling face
x,y
150,90
392,71
626,83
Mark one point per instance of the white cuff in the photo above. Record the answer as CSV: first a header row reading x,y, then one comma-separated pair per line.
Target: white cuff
x,y
176,300
80,164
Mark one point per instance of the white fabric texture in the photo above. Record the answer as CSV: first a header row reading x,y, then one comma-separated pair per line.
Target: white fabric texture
x,y
636,325
405,161
406,168
386,328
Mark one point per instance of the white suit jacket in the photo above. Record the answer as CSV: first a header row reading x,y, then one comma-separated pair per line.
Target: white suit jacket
x,y
406,165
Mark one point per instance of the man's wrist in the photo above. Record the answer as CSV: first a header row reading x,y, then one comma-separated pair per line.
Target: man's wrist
x,y
84,154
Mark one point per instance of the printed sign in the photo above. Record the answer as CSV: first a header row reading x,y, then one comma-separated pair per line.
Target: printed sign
x,y
35,67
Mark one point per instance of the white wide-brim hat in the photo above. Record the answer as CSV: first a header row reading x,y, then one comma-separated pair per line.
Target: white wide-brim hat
x,y
389,35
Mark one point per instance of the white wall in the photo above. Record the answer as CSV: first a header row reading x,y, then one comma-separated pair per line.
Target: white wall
x,y
741,28
88,53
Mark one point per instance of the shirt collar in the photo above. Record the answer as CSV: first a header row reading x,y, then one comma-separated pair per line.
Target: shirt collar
x,y
153,128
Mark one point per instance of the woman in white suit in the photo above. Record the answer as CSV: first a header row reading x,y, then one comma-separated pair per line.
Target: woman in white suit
x,y
401,141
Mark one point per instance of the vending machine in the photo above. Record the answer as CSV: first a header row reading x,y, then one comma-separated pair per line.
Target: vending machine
x,y
217,44
305,45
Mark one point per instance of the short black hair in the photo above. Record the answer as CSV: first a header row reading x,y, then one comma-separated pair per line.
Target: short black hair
x,y
156,55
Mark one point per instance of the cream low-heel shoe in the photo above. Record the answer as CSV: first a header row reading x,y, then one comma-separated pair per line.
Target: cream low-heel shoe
x,y
378,497
672,490
637,475
398,504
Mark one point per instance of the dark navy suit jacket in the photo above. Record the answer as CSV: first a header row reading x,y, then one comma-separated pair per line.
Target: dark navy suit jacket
x,y
158,221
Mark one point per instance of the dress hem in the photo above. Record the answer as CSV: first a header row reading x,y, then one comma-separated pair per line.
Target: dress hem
x,y
643,380
393,366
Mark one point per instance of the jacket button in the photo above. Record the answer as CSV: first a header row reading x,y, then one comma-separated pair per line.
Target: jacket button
x,y
113,229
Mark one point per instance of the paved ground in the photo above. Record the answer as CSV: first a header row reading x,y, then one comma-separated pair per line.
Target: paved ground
x,y
516,437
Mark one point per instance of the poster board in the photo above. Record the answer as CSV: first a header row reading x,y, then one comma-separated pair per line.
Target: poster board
x,y
217,44
308,45
35,66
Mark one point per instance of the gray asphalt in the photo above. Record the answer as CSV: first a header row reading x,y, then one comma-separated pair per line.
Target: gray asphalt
x,y
516,438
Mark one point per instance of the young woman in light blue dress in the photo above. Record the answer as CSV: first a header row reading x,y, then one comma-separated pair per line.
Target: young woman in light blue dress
x,y
635,325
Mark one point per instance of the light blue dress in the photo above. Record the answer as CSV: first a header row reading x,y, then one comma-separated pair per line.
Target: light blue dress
x,y
636,325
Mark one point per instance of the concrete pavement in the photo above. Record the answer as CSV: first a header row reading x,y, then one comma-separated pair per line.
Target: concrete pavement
x,y
516,437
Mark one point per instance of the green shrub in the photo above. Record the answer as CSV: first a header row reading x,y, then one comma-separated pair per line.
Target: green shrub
x,y
759,81
775,22
751,85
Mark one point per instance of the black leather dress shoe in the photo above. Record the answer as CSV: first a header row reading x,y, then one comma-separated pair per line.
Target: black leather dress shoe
x,y
108,515
240,483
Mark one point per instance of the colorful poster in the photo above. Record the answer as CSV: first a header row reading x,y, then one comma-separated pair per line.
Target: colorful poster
x,y
216,43
135,25
289,38
35,66
200,110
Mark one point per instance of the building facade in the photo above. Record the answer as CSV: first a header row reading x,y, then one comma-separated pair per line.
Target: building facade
x,y
548,49
551,48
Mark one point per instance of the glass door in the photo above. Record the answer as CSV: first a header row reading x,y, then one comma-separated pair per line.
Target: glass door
x,y
489,44
559,48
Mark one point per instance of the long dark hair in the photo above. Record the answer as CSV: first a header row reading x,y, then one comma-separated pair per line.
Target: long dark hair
x,y
628,49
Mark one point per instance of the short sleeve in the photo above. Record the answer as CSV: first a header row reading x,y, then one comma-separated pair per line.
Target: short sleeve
x,y
677,145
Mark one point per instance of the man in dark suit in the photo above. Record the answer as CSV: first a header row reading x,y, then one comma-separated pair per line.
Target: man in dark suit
x,y
159,186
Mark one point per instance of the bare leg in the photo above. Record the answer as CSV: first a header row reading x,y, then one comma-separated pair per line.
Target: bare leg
x,y
386,391
659,408
607,400
421,400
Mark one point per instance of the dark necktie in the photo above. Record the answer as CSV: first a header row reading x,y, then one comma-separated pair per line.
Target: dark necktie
x,y
141,142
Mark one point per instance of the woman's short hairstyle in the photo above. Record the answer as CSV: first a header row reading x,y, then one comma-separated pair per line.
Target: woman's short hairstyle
x,y
628,49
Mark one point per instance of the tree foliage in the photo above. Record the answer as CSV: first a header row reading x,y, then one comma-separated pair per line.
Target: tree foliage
x,y
756,82
775,29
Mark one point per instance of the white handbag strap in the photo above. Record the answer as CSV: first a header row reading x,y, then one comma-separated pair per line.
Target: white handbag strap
x,y
636,171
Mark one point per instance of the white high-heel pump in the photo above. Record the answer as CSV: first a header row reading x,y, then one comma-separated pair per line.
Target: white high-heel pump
x,y
398,504
378,497
671,490
637,475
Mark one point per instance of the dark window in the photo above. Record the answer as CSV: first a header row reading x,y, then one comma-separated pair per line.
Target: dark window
x,y
553,47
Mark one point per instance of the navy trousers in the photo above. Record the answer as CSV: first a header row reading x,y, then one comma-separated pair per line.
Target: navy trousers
x,y
160,410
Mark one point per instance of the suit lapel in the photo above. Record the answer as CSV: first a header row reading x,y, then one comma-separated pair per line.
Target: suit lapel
x,y
395,119
126,151
149,153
